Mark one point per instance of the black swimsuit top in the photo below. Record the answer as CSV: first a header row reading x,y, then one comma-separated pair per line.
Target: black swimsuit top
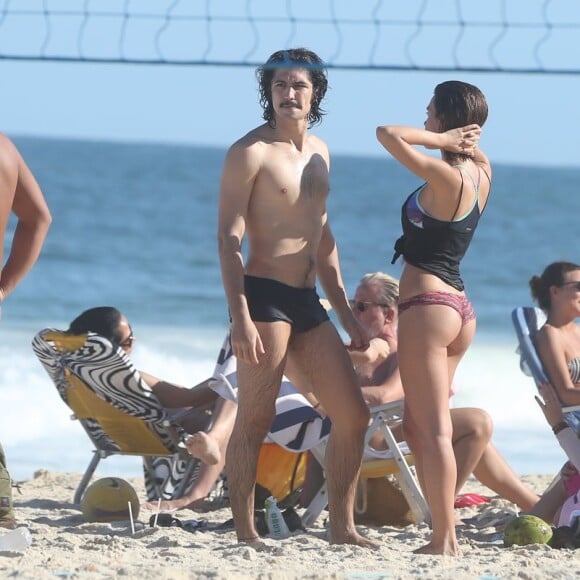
x,y
433,245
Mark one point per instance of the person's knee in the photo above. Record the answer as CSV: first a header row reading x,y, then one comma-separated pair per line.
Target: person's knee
x,y
482,424
351,421
358,417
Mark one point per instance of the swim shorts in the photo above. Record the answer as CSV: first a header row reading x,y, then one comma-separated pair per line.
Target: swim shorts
x,y
271,301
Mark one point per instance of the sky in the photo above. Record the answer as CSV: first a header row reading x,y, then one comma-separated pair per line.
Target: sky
x,y
533,120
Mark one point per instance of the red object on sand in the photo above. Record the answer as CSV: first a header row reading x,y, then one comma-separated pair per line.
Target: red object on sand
x,y
470,499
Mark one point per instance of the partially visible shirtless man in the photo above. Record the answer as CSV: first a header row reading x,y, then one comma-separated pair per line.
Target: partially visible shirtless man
x,y
274,187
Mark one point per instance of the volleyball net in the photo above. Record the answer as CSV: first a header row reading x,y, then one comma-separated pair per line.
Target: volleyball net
x,y
512,36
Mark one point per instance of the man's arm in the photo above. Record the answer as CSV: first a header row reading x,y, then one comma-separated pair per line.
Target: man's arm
x,y
377,352
241,167
389,389
20,193
328,272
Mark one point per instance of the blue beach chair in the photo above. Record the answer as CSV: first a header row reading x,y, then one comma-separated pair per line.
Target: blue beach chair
x,y
527,320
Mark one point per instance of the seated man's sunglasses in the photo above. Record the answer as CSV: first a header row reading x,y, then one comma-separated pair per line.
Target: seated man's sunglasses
x,y
363,306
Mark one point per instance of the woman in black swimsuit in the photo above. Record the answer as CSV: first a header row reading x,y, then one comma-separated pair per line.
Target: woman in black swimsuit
x,y
436,320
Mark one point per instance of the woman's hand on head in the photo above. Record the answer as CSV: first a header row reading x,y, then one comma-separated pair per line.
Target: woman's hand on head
x,y
462,140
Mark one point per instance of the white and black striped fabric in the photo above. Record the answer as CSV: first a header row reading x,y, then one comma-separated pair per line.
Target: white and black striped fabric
x,y
297,426
110,374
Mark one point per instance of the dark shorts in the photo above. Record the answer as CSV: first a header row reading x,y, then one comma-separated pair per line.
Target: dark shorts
x,y
270,301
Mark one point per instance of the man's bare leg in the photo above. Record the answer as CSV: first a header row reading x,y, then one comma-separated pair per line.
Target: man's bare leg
x,y
258,388
321,357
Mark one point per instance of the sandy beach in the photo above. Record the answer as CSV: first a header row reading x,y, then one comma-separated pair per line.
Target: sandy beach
x,y
65,546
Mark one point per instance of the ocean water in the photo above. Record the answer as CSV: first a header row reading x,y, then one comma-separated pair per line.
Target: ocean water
x,y
134,226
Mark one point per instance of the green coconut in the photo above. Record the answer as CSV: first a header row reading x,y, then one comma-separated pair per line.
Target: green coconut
x,y
525,530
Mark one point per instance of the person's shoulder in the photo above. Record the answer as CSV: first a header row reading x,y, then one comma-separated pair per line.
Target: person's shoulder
x,y
7,146
255,138
8,152
317,142
250,146
319,146
548,336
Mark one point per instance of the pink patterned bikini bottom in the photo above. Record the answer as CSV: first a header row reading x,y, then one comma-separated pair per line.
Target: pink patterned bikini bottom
x,y
459,303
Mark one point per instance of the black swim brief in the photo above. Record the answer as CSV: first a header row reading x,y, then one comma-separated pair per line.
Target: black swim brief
x,y
270,300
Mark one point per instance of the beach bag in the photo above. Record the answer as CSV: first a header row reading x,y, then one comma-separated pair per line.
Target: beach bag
x,y
6,511
280,474
380,502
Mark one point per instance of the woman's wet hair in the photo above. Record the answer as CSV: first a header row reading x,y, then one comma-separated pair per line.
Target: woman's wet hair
x,y
104,320
293,58
553,275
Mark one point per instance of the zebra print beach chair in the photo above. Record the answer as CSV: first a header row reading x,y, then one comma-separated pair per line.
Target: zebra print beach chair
x,y
117,409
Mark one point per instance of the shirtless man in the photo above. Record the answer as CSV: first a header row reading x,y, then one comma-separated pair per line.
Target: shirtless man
x,y
19,195
274,187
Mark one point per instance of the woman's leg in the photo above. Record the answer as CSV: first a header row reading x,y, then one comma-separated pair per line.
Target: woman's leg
x,y
494,472
211,449
210,446
548,507
431,343
472,430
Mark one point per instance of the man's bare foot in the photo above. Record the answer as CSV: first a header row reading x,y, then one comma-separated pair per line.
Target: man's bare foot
x,y
352,538
204,447
443,550
255,542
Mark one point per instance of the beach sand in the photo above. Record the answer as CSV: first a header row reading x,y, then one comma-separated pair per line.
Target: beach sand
x,y
65,546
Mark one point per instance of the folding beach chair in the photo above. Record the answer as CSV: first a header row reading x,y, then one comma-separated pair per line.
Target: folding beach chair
x,y
299,427
527,320
396,461
117,409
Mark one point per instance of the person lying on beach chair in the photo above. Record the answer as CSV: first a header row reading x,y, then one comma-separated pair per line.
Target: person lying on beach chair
x,y
209,446
375,307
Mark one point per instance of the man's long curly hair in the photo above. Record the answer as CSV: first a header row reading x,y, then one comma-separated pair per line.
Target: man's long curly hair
x,y
293,58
